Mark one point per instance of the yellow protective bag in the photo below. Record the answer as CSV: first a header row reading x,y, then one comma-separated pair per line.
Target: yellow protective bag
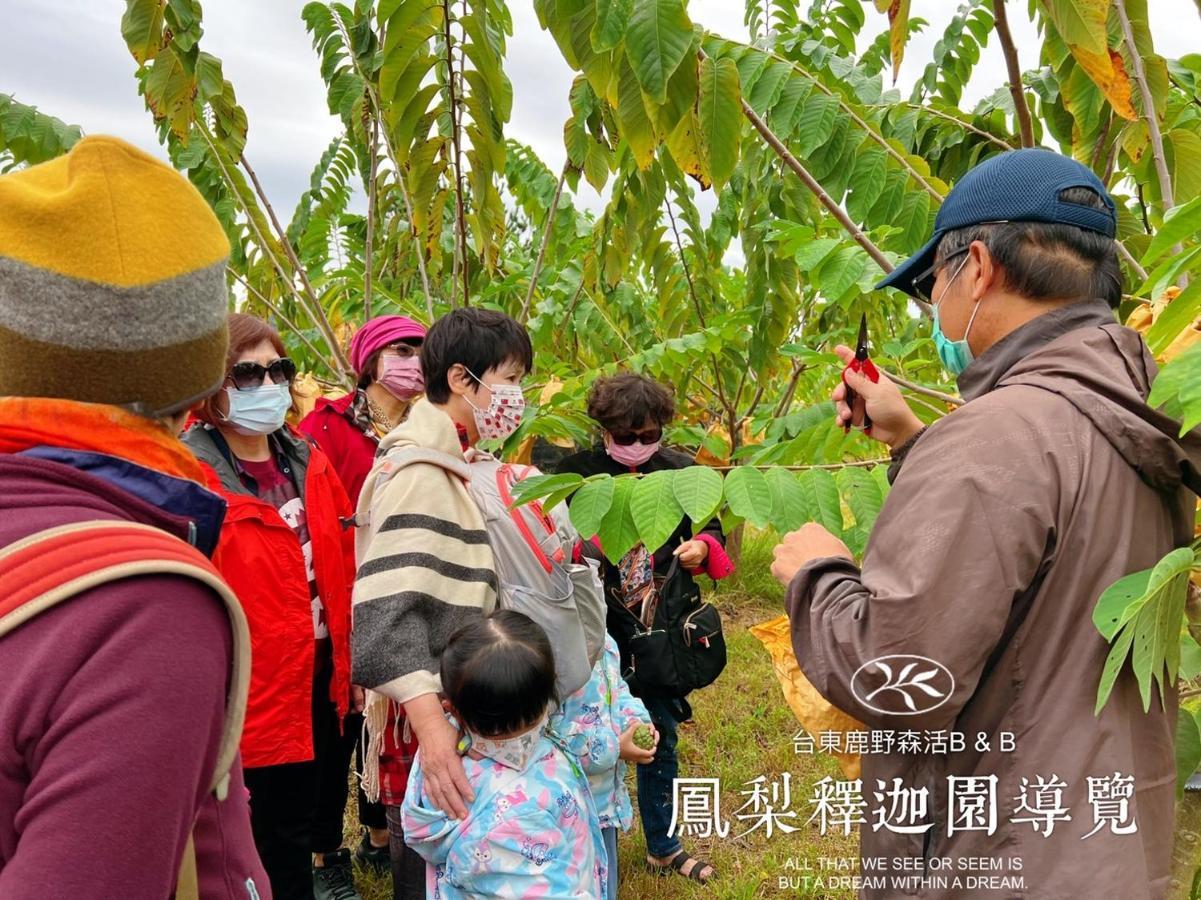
x,y
815,713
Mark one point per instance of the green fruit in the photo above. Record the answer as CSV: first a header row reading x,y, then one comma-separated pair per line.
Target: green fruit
x,y
644,737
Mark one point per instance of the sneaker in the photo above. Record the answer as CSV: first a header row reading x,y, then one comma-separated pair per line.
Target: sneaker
x,y
369,856
335,880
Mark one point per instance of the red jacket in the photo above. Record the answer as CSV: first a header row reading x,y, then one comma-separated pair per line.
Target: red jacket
x,y
261,559
351,451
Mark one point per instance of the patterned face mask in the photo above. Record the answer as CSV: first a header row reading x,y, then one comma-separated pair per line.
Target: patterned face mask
x,y
514,752
504,412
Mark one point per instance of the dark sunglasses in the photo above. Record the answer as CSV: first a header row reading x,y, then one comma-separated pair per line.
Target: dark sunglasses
x,y
923,284
247,376
626,438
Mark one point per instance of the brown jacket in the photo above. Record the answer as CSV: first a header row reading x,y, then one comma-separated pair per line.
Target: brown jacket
x,y
1007,520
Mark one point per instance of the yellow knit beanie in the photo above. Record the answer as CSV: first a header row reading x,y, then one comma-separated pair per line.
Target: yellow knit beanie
x,y
112,282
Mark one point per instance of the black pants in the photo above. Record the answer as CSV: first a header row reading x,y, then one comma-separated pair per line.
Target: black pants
x,y
334,751
281,817
408,868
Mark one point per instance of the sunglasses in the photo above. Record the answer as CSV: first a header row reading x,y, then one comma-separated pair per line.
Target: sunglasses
x,y
247,376
626,438
923,284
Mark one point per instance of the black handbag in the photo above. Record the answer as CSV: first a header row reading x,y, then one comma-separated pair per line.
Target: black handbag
x,y
683,649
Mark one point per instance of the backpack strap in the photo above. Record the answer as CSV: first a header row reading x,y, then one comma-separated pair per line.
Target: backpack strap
x,y
42,570
506,475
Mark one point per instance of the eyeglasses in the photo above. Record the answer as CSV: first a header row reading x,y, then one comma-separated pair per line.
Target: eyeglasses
x,y
626,438
404,351
923,284
247,376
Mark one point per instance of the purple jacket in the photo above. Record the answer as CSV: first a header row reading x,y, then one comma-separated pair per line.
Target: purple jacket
x,y
113,703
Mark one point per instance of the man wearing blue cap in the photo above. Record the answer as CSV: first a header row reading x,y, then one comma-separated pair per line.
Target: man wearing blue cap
x,y
970,621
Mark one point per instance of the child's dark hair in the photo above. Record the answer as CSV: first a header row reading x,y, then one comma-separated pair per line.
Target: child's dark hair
x,y
480,339
499,673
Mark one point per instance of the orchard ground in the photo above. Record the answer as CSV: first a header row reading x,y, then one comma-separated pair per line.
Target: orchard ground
x,y
742,729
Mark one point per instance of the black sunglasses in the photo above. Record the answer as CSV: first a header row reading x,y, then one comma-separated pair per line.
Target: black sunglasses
x,y
247,376
626,438
923,284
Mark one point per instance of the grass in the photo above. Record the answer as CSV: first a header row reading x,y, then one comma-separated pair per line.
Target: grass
x,y
741,730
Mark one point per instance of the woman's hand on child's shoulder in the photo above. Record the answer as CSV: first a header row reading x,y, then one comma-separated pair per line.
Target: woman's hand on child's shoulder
x,y
630,751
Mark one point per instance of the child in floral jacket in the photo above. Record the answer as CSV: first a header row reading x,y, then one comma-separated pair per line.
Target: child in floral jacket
x,y
532,829
597,725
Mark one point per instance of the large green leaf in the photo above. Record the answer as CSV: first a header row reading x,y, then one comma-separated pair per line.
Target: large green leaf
x,y
720,117
1188,748
1081,23
658,38
589,506
1180,223
862,494
789,510
618,533
656,511
612,16
748,495
1110,611
142,28
821,499
1177,316
1177,388
699,491
635,124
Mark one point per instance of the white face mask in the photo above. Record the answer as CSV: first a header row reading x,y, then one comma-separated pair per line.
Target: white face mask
x,y
514,752
504,412
259,410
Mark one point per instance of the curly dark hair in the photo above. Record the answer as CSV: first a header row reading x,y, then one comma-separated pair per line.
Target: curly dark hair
x,y
623,402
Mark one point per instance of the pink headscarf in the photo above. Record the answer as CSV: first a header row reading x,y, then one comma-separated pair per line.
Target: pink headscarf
x,y
378,333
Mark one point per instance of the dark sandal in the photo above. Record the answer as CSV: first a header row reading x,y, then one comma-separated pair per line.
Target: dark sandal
x,y
677,864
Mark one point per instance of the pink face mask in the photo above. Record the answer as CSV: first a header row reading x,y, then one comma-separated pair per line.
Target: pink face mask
x,y
633,455
402,377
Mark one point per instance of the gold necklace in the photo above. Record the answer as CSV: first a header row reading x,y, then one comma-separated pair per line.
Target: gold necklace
x,y
378,417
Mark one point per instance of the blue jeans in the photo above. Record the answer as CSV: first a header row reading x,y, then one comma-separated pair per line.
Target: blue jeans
x,y
655,779
610,836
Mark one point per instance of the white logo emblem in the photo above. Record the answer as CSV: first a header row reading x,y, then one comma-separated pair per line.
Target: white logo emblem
x,y
916,683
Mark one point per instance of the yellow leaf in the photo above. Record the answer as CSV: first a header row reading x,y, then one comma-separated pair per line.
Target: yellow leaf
x,y
898,32
1108,72
812,710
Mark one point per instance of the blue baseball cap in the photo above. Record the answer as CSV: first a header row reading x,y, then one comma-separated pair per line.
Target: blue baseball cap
x,y
1014,186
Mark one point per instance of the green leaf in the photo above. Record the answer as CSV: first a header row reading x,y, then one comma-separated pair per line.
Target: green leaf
x,y
821,499
1156,622
618,533
1179,224
658,38
589,506
749,496
142,28
699,491
657,513
1190,657
538,486
1113,667
788,510
1177,316
612,16
862,495
632,119
1110,611
1188,748
1081,23
720,117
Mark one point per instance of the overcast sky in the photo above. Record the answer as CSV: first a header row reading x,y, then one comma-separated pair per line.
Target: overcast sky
x,y
67,57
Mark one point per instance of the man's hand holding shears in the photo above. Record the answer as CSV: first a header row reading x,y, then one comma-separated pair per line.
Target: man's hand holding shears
x,y
865,399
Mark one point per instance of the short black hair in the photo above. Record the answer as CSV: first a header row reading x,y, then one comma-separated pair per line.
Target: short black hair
x,y
479,339
499,673
1043,261
623,402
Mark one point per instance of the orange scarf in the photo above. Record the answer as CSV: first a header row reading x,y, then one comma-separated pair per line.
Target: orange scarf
x,y
38,421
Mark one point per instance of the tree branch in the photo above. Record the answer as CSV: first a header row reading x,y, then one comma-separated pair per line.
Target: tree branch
x,y
546,233
919,389
460,216
1021,110
967,126
367,262
318,314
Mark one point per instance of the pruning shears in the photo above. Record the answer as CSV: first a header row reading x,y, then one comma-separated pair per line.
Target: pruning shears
x,y
864,366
